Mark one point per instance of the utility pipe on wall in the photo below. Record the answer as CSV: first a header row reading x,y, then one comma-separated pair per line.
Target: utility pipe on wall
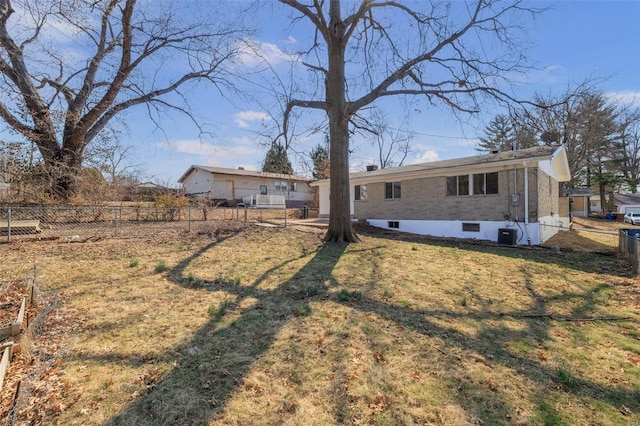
x,y
526,202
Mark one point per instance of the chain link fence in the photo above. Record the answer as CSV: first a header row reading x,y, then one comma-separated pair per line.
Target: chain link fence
x,y
84,222
629,245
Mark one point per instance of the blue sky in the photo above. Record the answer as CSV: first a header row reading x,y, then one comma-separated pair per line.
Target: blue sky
x,y
572,41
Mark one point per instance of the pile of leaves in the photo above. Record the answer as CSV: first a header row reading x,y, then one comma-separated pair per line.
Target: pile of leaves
x,y
11,294
34,371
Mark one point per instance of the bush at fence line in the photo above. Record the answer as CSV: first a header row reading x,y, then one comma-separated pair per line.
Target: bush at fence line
x,y
171,206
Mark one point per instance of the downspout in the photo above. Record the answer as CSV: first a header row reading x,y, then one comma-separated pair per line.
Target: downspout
x,y
515,189
526,202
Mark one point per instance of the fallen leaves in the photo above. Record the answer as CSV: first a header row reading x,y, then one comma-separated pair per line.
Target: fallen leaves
x,y
634,360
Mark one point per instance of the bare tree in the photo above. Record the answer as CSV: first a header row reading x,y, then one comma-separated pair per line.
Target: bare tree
x,y
387,48
125,44
392,145
112,158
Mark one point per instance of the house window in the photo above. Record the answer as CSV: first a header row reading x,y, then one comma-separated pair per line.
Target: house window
x,y
479,184
263,189
392,190
485,183
458,185
394,224
281,186
293,187
452,185
360,192
471,227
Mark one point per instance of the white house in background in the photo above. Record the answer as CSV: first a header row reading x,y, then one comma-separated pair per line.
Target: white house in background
x,y
219,184
626,203
516,194
594,202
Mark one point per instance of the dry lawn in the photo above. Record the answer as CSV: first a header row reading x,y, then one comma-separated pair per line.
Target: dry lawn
x,y
270,326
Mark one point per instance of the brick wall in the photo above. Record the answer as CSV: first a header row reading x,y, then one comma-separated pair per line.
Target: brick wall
x,y
426,199
548,194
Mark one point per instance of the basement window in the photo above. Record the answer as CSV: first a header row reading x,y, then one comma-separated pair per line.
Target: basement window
x,y
471,227
394,224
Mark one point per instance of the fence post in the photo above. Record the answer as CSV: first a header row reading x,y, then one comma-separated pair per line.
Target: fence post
x,y
116,211
189,216
9,224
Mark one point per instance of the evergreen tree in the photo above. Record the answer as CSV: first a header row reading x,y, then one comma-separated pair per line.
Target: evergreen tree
x,y
277,161
499,135
320,159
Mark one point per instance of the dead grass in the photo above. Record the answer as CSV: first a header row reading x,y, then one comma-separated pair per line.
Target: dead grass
x,y
270,326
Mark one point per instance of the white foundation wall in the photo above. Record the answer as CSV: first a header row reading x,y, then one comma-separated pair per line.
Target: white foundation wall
x,y
551,225
526,234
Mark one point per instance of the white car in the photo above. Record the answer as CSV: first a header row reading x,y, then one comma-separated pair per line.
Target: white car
x,y
633,218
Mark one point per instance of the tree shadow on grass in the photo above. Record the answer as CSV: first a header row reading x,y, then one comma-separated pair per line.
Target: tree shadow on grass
x,y
221,353
495,343
593,257
212,365
492,346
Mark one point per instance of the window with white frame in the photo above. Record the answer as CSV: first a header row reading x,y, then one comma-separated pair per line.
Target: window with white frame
x,y
281,186
485,183
475,184
360,192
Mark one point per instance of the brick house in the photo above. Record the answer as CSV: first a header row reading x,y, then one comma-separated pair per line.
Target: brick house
x,y
219,185
474,197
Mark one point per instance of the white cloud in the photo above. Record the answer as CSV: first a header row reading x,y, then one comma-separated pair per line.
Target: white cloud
x,y
627,98
426,157
190,146
240,152
243,118
254,52
361,165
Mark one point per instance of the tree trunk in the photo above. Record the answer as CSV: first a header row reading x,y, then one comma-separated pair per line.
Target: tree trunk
x,y
63,167
340,228
603,199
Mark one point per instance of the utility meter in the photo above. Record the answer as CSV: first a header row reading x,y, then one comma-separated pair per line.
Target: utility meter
x,y
515,199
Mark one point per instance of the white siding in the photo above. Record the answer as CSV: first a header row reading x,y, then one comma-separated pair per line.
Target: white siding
x,y
198,182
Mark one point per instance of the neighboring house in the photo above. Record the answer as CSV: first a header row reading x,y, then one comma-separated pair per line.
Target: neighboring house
x,y
579,199
218,184
596,206
626,203
475,197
